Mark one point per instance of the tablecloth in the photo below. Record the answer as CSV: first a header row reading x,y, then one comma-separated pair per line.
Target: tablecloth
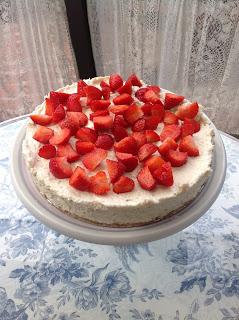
x,y
191,275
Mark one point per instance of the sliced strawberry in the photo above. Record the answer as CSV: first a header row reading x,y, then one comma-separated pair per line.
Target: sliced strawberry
x,y
120,121
104,84
139,125
54,97
119,109
151,96
62,97
164,175
154,163
126,88
99,113
146,150
187,129
170,131
43,134
123,98
157,110
133,114
172,100
115,81
70,124
92,93
80,88
167,144
96,105
145,179
99,183
139,94
49,107
106,93
93,159
86,134
115,169
61,137
177,158
47,151
66,150
103,123
140,138
156,89
151,123
129,161
119,133
187,111
123,185
187,144
127,145
79,179
152,136
104,141
60,168
134,80
41,119
195,124
73,103
146,108
83,147
59,114
78,117
170,118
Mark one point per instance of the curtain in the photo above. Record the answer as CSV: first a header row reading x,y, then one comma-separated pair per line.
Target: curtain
x,y
35,53
188,46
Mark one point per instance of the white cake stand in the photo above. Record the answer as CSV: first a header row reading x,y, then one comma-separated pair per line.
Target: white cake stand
x,y
55,219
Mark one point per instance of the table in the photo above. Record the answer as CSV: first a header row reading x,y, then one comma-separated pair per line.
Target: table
x,y
191,275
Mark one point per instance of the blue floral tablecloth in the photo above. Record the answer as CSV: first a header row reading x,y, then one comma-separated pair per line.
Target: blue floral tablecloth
x,y
189,276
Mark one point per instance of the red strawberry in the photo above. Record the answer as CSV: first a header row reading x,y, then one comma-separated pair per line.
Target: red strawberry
x,y
79,180
119,109
126,145
86,134
54,97
187,144
134,80
126,88
133,114
154,163
146,108
177,158
167,144
187,129
47,151
187,111
145,179
151,96
41,119
106,93
195,124
93,159
119,121
115,81
157,110
164,175
99,183
61,137
62,97
78,117
129,161
123,98
99,113
115,170
140,138
103,123
96,105
104,141
170,118
83,147
60,168
139,125
156,89
170,131
92,93
80,88
146,150
151,123
49,107
119,133
172,100
66,150
70,124
104,84
73,103
139,94
152,136
43,134
123,185
59,114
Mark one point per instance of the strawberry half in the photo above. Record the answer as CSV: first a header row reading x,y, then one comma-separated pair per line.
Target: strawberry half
x,y
120,121
60,168
140,138
151,96
167,144
92,93
126,88
134,80
126,145
115,169
177,158
59,114
146,108
154,163
172,100
73,103
187,111
129,161
86,134
187,129
157,110
119,109
119,133
123,98
43,134
146,150
151,123
49,107
103,123
62,96
67,151
99,183
139,94
170,118
139,125
54,97
106,93
104,84
164,175
78,117
83,147
133,114
79,180
156,89
115,81
41,119
96,105
187,144
123,185
80,88
196,124
99,113
145,179
104,141
94,158
152,136
61,137
47,151
170,131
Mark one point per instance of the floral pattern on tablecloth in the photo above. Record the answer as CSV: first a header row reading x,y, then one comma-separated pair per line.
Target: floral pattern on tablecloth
x,y
192,275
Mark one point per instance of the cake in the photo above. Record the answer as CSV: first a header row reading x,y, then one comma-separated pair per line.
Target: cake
x,y
118,153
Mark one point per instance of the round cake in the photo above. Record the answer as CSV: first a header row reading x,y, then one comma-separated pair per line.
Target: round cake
x,y
118,153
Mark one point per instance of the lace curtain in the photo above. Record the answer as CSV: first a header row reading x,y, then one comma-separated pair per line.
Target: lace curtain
x,y
187,46
35,53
